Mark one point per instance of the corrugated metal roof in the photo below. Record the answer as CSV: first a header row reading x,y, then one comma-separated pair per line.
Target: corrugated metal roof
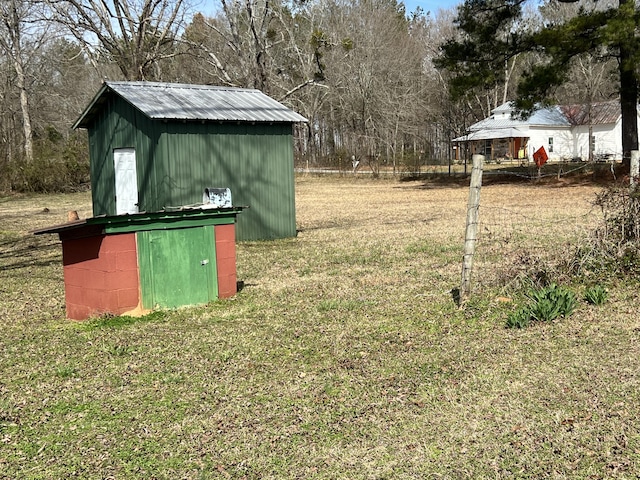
x,y
510,132
601,113
501,119
178,101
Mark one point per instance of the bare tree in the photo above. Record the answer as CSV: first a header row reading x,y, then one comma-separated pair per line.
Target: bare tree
x,y
65,85
270,45
136,36
239,40
21,34
375,70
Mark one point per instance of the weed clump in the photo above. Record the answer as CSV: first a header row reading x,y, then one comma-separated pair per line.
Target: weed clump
x,y
614,248
596,295
521,318
552,302
545,305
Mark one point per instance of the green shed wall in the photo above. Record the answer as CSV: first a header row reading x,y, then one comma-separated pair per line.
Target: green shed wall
x,y
254,161
117,125
176,161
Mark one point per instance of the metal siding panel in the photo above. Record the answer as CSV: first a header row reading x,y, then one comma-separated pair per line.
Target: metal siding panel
x,y
145,139
98,170
117,126
266,185
102,172
254,161
177,160
177,267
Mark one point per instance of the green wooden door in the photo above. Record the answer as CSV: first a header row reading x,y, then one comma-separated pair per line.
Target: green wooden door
x,y
177,267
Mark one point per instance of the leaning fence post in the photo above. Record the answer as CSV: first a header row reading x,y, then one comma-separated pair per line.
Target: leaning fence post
x,y
635,167
471,233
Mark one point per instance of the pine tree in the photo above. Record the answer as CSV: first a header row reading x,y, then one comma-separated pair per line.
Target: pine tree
x,y
491,33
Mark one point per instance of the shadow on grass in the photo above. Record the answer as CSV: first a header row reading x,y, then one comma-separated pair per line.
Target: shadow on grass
x,y
26,252
455,296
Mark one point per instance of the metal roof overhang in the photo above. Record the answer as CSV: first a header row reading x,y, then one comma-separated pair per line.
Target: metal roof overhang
x,y
185,102
182,218
93,107
491,134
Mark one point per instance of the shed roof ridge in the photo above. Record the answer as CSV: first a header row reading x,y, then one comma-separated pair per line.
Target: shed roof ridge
x,y
187,102
190,86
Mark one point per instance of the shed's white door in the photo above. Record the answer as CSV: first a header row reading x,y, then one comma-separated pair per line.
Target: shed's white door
x,y
124,161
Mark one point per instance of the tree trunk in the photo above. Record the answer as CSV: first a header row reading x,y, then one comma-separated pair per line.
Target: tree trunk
x,y
24,106
13,19
628,100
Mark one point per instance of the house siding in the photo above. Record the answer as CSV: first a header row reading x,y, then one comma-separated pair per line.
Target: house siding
x,y
562,142
607,140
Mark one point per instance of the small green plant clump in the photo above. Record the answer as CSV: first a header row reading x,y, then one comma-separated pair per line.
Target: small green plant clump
x,y
596,295
552,302
521,318
545,304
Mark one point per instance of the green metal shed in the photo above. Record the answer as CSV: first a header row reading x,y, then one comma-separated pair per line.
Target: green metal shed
x,y
158,146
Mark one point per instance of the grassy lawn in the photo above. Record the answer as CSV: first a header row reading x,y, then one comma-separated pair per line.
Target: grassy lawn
x,y
343,357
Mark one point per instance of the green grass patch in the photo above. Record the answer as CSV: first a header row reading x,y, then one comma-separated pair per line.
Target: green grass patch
x,y
343,356
122,321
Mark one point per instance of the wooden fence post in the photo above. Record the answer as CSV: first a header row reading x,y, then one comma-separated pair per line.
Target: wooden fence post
x,y
635,167
471,233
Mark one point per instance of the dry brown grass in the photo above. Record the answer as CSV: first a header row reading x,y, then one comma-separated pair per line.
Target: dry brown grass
x,y
344,355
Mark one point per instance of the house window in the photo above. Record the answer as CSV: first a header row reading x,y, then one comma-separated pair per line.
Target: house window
x,y
487,148
550,144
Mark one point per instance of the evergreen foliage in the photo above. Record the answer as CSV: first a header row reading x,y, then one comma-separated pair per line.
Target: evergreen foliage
x,y
492,32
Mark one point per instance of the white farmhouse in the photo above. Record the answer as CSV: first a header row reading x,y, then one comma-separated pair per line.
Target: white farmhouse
x,y
563,131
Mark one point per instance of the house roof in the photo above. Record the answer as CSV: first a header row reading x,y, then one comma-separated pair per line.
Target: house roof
x,y
177,101
501,118
600,113
489,134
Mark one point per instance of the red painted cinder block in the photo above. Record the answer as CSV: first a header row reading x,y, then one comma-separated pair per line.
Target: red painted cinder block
x,y
78,312
74,276
226,266
126,260
120,243
227,286
74,295
122,279
100,275
128,299
226,233
226,260
81,250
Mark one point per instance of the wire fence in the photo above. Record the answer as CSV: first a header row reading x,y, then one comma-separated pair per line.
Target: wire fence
x,y
521,171
533,242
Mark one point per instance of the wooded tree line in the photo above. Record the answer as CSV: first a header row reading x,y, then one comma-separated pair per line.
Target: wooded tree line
x,y
361,71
